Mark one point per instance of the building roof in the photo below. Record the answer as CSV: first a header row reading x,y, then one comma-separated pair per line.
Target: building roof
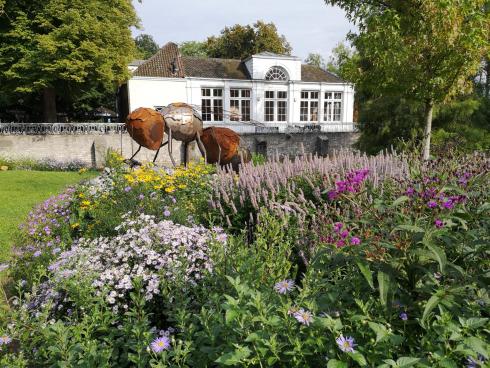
x,y
168,63
310,73
165,63
214,68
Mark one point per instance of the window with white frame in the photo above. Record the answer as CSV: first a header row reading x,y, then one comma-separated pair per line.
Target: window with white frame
x,y
332,106
240,104
308,110
276,106
277,73
212,104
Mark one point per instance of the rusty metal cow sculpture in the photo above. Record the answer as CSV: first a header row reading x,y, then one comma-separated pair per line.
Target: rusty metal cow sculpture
x,y
224,146
181,122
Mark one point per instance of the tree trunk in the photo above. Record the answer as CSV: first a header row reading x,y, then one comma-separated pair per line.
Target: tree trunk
x,y
487,80
429,106
49,105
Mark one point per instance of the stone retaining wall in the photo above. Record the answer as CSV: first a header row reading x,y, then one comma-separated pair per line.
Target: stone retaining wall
x,y
92,148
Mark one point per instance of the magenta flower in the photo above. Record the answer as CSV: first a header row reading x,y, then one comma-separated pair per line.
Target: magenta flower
x,y
355,240
438,223
340,243
410,192
337,226
432,204
346,344
333,194
344,234
160,344
284,286
303,316
449,204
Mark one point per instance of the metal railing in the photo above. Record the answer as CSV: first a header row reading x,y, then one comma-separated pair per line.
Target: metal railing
x,y
60,128
118,128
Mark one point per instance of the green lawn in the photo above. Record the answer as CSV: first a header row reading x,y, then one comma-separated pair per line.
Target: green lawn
x,y
22,190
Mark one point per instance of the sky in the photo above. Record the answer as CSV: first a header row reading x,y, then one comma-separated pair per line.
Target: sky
x,y
309,25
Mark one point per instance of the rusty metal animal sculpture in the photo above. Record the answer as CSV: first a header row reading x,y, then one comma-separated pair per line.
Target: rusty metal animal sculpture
x,y
146,126
184,124
223,147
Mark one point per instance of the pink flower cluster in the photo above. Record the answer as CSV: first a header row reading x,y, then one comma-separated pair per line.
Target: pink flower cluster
x,y
352,184
341,236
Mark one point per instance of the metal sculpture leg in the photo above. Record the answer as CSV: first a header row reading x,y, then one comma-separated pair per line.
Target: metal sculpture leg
x,y
202,148
170,147
186,145
135,153
158,150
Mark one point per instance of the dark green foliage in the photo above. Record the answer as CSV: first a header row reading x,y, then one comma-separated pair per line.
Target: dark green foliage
x,y
146,45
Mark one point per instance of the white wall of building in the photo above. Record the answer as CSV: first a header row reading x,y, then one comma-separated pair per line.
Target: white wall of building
x,y
258,65
151,92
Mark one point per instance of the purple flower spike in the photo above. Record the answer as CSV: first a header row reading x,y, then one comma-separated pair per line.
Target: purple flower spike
x,y
160,344
284,286
346,344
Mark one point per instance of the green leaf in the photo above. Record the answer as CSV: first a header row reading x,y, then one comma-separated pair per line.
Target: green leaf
x,y
366,272
439,255
430,305
230,315
384,283
380,331
473,322
334,363
405,362
234,357
409,228
477,345
359,358
400,200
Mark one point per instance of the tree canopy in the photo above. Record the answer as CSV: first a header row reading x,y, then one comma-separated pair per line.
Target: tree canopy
x,y
316,60
146,45
425,51
193,48
67,51
238,42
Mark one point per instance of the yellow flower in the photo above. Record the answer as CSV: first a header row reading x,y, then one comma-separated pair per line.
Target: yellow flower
x,y
182,186
82,170
170,189
81,195
75,225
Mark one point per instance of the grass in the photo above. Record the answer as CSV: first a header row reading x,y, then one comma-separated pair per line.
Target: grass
x,y
20,191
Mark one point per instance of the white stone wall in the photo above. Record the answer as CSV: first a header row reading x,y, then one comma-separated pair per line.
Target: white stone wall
x,y
89,148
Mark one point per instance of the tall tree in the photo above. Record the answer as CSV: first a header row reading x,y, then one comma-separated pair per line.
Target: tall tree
x,y
239,41
316,60
146,45
424,50
64,49
193,48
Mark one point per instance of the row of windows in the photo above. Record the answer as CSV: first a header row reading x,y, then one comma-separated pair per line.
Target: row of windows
x,y
276,105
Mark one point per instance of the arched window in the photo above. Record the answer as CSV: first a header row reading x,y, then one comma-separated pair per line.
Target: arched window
x,y
276,73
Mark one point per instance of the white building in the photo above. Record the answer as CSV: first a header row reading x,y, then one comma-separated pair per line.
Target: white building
x,y
264,90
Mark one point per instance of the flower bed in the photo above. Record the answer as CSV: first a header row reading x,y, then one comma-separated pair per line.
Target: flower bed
x,y
349,261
